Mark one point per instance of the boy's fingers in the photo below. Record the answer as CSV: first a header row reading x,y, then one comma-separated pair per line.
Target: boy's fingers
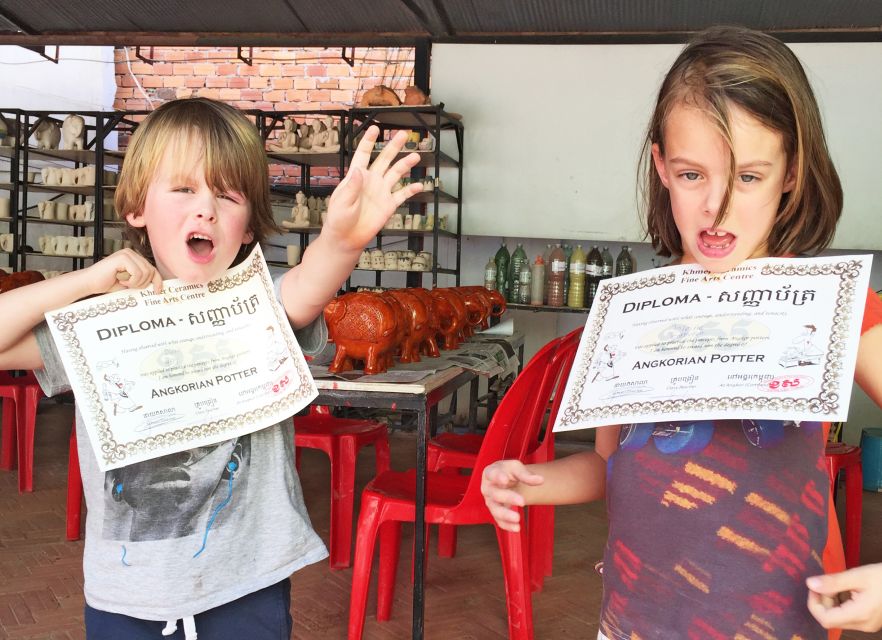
x,y
361,158
387,155
348,190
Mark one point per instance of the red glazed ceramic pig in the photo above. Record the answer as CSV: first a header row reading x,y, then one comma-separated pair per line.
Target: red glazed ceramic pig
x,y
418,326
364,327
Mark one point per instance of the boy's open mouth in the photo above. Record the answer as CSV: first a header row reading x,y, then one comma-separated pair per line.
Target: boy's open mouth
x,y
200,245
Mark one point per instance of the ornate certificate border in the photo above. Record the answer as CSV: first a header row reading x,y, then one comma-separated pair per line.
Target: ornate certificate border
x,y
824,403
114,453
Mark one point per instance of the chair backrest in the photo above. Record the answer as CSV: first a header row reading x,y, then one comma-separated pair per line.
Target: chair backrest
x,y
566,352
518,418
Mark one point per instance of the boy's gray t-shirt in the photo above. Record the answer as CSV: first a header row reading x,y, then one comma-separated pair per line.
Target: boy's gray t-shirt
x,y
175,536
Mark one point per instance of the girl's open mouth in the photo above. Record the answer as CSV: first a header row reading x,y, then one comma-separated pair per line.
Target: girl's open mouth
x,y
715,243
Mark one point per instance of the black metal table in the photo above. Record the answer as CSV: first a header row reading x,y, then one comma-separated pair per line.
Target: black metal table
x,y
422,398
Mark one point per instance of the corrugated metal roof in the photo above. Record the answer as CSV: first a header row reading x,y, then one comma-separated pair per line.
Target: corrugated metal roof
x,y
379,22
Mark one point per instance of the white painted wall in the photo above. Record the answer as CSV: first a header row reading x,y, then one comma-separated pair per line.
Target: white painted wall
x,y
83,79
553,133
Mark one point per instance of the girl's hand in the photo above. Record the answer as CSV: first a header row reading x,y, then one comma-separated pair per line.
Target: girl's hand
x,y
363,202
862,610
125,269
499,484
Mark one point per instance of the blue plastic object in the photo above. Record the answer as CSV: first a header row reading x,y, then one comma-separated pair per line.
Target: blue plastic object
x,y
871,458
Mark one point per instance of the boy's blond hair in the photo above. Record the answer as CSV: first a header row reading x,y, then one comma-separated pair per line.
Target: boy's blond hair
x,y
197,128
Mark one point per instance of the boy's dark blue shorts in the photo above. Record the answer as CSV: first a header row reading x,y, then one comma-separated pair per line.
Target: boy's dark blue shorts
x,y
262,615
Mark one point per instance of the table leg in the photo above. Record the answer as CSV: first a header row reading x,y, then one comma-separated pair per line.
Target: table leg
x,y
419,526
473,405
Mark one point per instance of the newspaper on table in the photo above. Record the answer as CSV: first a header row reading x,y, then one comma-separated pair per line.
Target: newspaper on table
x,y
485,355
194,365
773,338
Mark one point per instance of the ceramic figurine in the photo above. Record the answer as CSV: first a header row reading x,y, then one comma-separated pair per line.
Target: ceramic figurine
x,y
390,260
333,143
396,221
287,140
68,177
73,132
415,96
304,137
364,327
419,327
47,134
379,96
364,260
404,263
377,259
426,144
299,213
320,137
419,264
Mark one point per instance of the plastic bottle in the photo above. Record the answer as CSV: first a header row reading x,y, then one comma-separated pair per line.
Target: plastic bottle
x,y
537,284
557,268
568,251
547,259
624,262
576,293
518,262
525,279
502,259
607,264
593,270
490,275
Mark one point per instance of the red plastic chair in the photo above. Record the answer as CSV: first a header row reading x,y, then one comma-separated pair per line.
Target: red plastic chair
x,y
449,451
74,487
24,394
846,458
341,438
390,499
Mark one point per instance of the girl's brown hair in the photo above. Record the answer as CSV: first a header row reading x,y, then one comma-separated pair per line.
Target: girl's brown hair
x,y
197,128
760,74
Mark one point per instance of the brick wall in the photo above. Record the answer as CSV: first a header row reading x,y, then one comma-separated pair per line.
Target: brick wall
x,y
279,79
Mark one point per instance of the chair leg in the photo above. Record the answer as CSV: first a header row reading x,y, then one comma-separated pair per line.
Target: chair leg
x,y
7,435
74,489
390,550
25,439
447,532
342,501
365,540
540,537
517,590
853,507
381,453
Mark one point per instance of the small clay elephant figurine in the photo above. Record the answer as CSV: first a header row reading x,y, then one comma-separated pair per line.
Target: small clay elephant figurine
x,y
364,327
73,132
418,325
47,134
452,316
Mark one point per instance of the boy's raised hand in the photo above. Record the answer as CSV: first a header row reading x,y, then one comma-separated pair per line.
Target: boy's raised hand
x,y
498,486
363,202
125,269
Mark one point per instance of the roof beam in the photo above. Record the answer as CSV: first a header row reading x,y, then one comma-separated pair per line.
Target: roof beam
x,y
423,19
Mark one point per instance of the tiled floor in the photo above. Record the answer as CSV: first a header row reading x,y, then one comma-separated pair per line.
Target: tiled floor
x,y
41,575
